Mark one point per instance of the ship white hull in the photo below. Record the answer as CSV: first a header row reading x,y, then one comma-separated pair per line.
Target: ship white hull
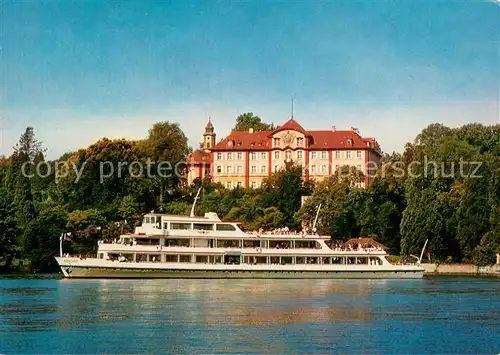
x,y
96,268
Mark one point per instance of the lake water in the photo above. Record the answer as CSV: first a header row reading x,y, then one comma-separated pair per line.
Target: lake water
x,y
433,315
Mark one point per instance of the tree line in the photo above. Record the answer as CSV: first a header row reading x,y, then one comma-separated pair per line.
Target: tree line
x,y
444,187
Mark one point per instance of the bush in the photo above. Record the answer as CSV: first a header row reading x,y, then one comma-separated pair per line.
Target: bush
x,y
395,259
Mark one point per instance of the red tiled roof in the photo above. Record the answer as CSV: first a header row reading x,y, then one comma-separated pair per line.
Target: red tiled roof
x,y
318,140
199,156
336,140
244,140
291,125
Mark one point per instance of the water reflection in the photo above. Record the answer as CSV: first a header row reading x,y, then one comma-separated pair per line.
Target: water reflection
x,y
263,316
209,302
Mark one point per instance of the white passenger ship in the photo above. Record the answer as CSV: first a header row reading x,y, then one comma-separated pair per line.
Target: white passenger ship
x,y
170,246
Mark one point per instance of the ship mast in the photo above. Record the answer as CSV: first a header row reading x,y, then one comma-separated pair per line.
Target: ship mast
x,y
61,245
316,219
422,253
194,203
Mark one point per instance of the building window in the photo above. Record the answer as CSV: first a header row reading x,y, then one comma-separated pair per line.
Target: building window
x,y
323,169
254,169
263,169
263,155
358,154
229,156
276,142
276,168
239,169
348,155
276,155
253,184
238,184
313,169
229,185
323,155
288,155
359,167
313,155
219,169
240,156
219,156
300,141
252,156
299,155
337,155
229,169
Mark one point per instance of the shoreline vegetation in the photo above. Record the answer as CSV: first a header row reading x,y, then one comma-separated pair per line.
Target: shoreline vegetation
x,y
455,206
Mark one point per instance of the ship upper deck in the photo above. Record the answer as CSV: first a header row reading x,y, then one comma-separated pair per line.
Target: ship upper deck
x,y
157,225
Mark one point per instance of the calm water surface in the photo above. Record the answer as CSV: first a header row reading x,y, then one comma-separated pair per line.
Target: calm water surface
x,y
434,315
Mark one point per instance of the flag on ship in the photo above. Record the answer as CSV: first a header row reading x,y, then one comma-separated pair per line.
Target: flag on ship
x,y
66,236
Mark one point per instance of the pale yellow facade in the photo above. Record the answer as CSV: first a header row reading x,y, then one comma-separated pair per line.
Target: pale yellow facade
x,y
263,153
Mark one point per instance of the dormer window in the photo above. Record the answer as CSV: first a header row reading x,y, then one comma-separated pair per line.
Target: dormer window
x,y
349,141
300,142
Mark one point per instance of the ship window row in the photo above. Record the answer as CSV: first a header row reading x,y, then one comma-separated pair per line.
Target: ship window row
x,y
200,226
230,243
151,219
238,259
238,243
189,226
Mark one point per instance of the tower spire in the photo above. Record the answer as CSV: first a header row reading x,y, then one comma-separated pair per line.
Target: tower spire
x,y
209,135
292,107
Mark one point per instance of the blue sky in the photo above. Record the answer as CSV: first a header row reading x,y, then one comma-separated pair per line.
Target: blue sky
x,y
79,71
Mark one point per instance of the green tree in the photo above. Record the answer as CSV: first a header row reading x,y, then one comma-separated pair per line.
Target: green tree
x,y
82,220
380,212
129,207
284,189
337,216
96,176
41,239
4,166
18,185
28,144
248,120
9,231
166,150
